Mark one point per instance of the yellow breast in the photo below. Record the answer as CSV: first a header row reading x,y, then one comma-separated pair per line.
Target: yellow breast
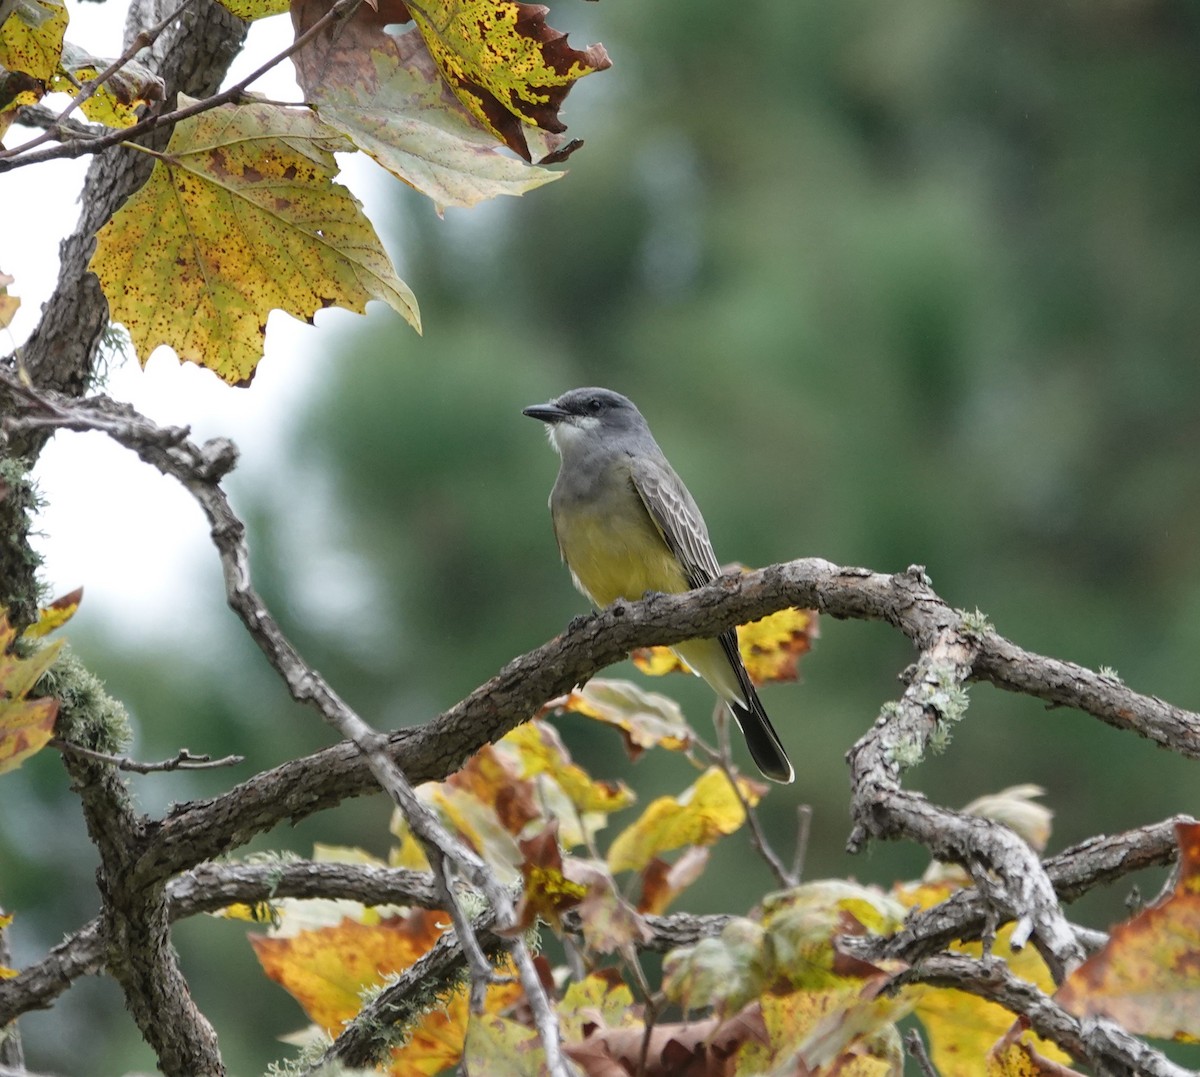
x,y
616,554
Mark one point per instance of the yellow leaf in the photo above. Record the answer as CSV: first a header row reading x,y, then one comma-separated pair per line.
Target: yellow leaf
x,y
705,811
57,614
239,217
261,912
645,719
26,725
1147,977
1015,1056
499,1047
502,61
8,303
771,648
541,753
255,9
31,38
598,995
963,1028
116,102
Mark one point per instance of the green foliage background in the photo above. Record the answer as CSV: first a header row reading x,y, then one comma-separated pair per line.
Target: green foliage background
x,y
892,283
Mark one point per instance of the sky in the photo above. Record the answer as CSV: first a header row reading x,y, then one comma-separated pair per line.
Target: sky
x,y
130,536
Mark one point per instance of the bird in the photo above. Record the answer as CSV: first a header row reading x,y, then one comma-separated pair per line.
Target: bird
x,y
626,525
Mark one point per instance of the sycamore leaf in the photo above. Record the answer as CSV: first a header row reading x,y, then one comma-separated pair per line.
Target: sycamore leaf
x,y
662,883
802,923
771,648
8,303
1016,1056
964,1028
255,9
541,754
500,1047
16,89
239,217
326,970
504,63
703,1048
1147,977
386,95
645,719
793,1021
726,971
546,892
600,999
704,812
114,104
57,614
26,725
31,38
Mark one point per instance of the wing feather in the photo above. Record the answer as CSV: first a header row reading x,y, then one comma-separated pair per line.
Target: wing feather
x,y
676,516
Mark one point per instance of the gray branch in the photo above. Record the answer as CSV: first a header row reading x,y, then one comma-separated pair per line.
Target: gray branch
x,y
952,651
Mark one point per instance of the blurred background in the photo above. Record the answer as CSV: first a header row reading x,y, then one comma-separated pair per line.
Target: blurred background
x,y
893,284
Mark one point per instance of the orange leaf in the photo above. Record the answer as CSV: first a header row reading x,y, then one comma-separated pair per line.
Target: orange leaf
x,y
326,970
26,725
1148,975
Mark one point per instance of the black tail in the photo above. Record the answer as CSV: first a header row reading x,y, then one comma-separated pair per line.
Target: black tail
x,y
765,747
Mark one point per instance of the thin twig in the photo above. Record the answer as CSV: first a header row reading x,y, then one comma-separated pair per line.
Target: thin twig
x,y
184,760
804,814
16,158
915,1046
757,837
142,40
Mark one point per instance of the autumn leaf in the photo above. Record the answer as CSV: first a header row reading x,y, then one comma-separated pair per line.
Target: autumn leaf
x,y
8,303
255,9
541,754
55,615
546,892
239,217
662,883
26,725
116,102
31,38
704,812
645,719
501,60
326,971
600,999
771,648
725,971
385,93
500,1047
1147,977
964,1028
1016,1056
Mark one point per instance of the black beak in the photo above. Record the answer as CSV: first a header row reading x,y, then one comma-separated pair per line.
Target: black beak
x,y
548,413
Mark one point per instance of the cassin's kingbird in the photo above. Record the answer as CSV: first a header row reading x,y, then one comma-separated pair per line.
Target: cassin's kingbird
x,y
626,524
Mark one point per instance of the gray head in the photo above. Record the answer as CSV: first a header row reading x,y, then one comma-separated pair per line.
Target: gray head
x,y
589,418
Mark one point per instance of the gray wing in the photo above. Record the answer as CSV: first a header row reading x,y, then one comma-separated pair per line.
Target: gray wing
x,y
676,516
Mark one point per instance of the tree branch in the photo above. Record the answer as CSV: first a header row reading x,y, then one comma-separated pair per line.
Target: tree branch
x,y
1101,1044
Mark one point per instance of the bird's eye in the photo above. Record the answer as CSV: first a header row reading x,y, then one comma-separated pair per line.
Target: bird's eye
x,y
594,405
